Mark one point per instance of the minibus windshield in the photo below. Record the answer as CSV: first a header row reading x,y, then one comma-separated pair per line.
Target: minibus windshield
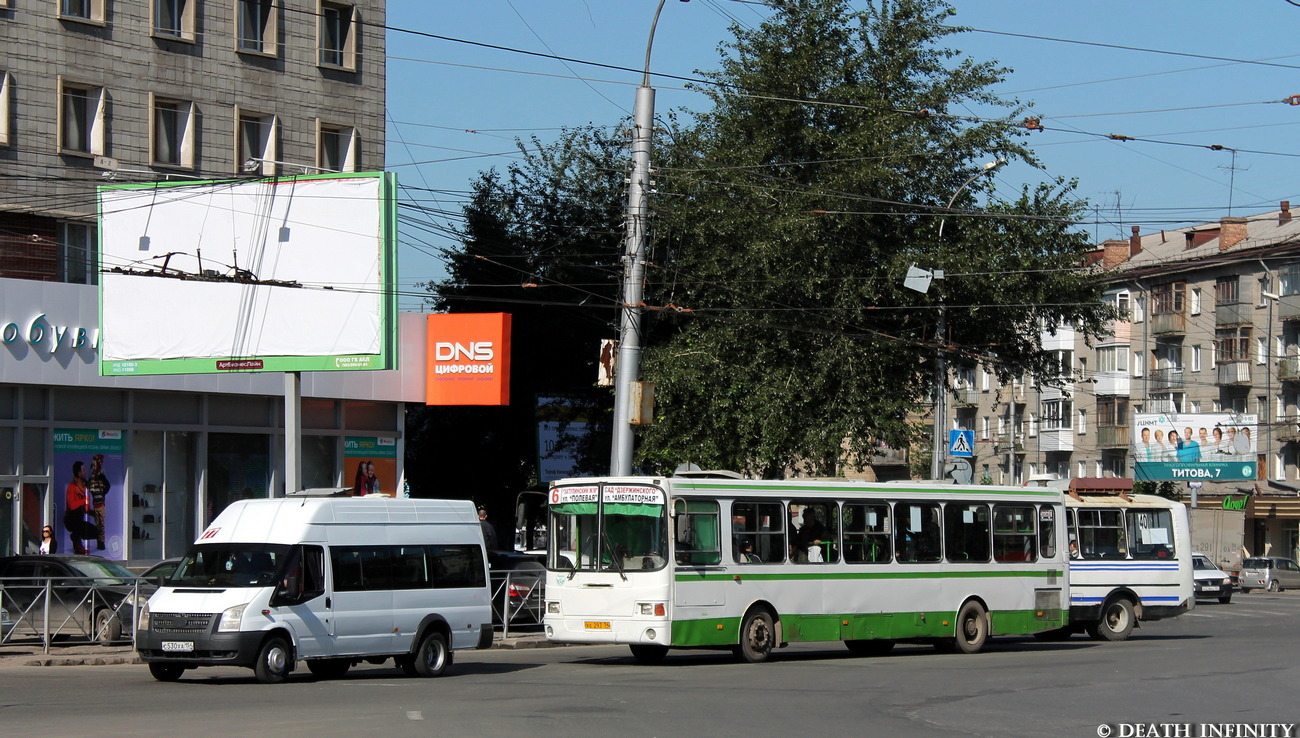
x,y
231,565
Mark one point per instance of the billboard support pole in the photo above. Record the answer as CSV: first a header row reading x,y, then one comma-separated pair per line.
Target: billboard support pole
x,y
292,431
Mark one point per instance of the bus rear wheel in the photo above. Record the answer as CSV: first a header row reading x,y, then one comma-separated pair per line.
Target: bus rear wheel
x,y
757,635
870,648
648,654
1116,622
972,628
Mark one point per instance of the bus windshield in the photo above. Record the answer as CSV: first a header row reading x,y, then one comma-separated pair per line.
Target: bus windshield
x,y
230,565
625,530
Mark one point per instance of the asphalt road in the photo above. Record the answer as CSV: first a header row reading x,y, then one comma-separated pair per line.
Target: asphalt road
x,y
1220,665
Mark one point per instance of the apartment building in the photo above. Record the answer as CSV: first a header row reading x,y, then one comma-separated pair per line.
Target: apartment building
x,y
1209,353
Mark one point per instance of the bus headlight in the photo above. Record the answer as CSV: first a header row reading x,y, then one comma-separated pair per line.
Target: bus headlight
x,y
231,619
657,609
552,607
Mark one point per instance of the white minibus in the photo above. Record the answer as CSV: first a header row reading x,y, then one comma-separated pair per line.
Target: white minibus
x,y
329,580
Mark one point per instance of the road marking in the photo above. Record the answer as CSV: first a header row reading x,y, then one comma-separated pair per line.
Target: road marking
x,y
414,715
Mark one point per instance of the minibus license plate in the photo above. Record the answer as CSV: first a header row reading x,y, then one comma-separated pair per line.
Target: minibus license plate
x,y
185,646
596,625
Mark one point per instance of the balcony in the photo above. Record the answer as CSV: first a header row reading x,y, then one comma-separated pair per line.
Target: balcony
x,y
966,397
1112,383
1288,308
1233,313
1056,439
1234,372
1287,430
1003,445
1113,436
1288,370
1163,380
1162,323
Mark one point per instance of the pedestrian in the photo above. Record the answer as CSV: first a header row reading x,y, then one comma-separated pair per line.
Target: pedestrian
x,y
489,533
48,543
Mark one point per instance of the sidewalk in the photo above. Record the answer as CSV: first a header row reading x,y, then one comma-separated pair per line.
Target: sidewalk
x,y
31,654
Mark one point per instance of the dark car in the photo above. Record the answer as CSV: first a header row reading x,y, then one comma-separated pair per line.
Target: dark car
x,y
91,598
518,583
160,572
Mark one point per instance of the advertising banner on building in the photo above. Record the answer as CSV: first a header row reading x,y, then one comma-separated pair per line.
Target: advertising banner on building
x,y
373,463
562,428
468,359
1189,447
89,490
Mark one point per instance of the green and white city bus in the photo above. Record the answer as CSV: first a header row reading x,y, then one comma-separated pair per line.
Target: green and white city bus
x,y
714,561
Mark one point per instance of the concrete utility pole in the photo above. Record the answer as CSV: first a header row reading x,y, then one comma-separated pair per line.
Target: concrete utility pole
x,y
628,369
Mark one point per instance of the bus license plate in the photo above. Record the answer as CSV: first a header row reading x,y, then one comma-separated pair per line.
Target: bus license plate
x,y
183,646
596,625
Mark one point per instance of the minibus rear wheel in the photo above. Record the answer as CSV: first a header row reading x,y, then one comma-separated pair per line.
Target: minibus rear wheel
x,y
431,658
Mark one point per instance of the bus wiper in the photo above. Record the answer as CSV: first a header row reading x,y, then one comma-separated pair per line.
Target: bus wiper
x,y
614,558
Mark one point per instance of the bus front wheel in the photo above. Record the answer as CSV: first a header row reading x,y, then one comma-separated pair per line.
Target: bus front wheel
x,y
1116,622
757,635
648,654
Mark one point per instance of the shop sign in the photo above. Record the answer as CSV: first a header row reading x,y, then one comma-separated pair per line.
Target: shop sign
x,y
46,336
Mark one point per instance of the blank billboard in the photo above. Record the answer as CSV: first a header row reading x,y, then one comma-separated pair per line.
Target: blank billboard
x,y
289,274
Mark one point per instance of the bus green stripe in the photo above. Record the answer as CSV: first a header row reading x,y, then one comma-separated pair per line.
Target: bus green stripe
x,y
891,492
800,628
974,574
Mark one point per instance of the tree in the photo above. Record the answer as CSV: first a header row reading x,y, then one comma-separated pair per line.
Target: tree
x,y
540,242
791,211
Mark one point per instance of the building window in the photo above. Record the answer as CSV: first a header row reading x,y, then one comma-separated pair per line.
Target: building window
x,y
81,119
1227,291
1289,280
84,11
173,133
1232,344
1196,358
1195,307
1261,350
1167,299
6,105
1137,363
338,42
1112,359
1083,423
1112,412
984,428
174,19
257,26
1057,414
78,253
336,148
257,143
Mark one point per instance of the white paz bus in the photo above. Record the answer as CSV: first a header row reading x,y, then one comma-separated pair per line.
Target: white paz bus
x,y
751,565
330,581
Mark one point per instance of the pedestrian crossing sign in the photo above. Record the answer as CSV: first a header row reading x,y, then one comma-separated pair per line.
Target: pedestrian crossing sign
x,y
961,443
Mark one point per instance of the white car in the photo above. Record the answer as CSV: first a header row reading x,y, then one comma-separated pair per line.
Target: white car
x,y
1211,581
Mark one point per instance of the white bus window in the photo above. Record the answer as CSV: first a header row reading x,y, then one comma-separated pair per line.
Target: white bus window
x,y
1150,534
763,523
698,535
966,532
1047,532
814,532
866,533
918,532
1013,533
1101,534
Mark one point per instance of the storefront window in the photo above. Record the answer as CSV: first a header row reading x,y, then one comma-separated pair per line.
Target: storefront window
x,y
33,517
8,459
146,495
319,468
239,468
8,504
179,495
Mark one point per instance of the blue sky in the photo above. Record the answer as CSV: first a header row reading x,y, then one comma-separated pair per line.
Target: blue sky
x,y
1089,69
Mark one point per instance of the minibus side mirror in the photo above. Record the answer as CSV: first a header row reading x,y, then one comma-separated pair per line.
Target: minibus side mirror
x,y
682,522
289,592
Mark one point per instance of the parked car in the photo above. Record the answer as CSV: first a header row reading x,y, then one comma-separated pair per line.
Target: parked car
x,y
1273,573
1211,581
160,572
90,597
518,582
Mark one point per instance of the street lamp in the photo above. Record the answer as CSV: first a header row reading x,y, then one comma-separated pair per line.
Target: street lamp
x,y
940,367
628,369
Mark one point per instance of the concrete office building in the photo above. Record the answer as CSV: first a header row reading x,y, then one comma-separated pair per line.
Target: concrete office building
x,y
148,91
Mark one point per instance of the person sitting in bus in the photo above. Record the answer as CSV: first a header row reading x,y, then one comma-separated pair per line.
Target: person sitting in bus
x,y
806,541
1074,549
745,552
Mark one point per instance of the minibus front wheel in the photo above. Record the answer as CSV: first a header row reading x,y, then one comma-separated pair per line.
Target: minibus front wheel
x,y
274,659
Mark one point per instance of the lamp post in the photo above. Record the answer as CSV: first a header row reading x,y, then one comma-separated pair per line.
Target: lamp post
x,y
628,369
940,367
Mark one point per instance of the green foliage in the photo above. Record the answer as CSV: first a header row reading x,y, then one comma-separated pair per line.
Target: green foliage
x,y
1166,489
786,227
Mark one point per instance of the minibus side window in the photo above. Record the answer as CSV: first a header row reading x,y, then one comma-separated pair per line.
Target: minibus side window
x,y
457,566
313,572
